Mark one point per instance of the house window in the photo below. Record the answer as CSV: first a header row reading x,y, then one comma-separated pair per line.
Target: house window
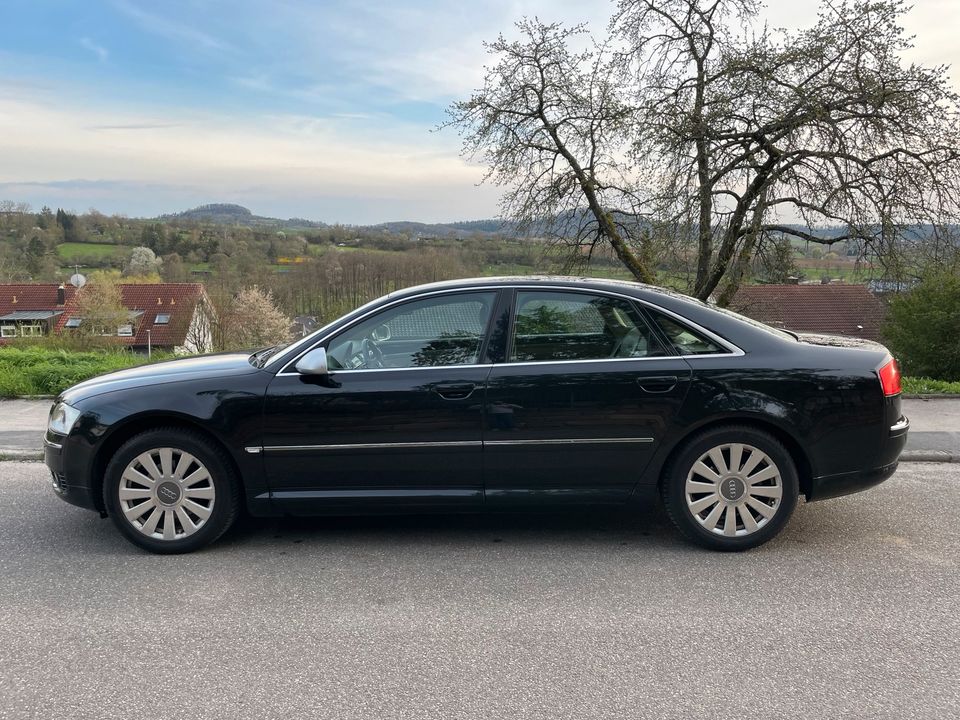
x,y
125,330
31,330
162,319
8,331
74,322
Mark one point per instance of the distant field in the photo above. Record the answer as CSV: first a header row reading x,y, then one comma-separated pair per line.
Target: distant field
x,y
72,251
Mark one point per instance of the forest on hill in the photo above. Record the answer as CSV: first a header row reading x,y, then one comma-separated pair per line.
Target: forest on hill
x,y
319,269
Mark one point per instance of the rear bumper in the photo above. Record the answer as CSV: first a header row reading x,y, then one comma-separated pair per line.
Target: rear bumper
x,y
884,465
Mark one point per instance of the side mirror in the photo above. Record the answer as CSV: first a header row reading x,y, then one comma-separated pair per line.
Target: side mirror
x,y
313,363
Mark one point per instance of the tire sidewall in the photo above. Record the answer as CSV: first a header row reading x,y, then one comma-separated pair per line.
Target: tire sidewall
x,y
224,506
674,488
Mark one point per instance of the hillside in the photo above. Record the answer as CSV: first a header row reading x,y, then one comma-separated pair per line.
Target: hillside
x,y
231,214
239,216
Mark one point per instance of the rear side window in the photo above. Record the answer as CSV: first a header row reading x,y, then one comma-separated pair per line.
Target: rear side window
x,y
686,340
551,326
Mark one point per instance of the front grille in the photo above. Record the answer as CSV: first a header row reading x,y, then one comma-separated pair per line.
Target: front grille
x,y
59,482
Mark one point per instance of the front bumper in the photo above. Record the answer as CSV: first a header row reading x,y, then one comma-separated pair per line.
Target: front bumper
x,y
883,466
65,477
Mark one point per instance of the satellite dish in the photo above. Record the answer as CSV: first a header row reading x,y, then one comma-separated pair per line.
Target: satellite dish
x,y
78,280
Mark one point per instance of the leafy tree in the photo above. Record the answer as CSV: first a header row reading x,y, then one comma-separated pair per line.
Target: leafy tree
x,y
923,327
695,130
154,237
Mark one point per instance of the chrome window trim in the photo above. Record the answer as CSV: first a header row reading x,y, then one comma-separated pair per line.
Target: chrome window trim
x,y
733,350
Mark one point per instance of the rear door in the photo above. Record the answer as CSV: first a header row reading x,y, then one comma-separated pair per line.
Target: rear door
x,y
576,411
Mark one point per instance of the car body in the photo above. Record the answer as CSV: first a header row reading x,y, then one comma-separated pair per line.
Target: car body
x,y
489,394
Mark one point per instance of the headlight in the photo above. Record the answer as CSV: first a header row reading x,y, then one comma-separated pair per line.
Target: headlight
x,y
62,419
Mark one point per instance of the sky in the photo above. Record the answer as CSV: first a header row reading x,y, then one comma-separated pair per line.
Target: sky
x,y
325,110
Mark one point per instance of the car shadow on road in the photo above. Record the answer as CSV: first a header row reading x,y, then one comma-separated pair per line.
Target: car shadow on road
x,y
617,525
637,527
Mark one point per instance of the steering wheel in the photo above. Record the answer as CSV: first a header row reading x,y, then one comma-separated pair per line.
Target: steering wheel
x,y
372,354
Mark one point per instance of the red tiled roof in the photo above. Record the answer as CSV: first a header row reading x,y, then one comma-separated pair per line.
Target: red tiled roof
x,y
32,297
179,300
827,309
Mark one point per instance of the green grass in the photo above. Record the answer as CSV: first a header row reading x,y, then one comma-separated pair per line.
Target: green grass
x,y
42,371
926,386
71,251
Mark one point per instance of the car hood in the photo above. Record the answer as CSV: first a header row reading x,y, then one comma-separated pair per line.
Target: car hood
x,y
194,368
839,341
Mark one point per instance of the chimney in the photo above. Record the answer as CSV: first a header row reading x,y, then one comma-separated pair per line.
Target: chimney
x,y
61,295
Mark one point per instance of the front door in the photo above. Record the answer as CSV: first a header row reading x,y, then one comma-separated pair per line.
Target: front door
x,y
396,423
576,412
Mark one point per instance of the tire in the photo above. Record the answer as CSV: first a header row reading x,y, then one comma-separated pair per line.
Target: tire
x,y
171,491
719,507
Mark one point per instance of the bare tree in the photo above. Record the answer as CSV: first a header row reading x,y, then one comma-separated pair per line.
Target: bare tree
x,y
555,127
737,136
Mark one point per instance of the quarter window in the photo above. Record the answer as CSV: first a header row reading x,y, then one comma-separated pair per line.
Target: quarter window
x,y
433,332
551,326
685,340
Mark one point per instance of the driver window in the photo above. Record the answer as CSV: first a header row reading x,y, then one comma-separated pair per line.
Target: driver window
x,y
437,331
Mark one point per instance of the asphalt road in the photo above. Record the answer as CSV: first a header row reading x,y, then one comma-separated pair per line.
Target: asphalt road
x,y
853,613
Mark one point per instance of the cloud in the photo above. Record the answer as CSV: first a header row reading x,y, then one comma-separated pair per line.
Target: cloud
x,y
170,29
332,169
101,52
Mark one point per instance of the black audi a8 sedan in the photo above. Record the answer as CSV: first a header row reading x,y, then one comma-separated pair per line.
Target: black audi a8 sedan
x,y
488,395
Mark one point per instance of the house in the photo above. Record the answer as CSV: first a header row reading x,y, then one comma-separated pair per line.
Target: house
x,y
835,309
169,316
32,310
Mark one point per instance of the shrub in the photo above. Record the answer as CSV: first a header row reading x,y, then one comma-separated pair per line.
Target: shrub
x,y
923,328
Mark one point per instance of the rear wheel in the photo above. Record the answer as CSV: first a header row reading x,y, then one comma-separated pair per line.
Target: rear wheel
x,y
731,488
171,491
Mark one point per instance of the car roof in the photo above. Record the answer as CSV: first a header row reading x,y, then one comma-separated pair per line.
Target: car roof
x,y
625,286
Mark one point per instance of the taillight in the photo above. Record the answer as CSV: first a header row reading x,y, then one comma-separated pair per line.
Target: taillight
x,y
890,378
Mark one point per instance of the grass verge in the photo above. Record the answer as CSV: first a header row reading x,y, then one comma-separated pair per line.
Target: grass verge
x,y
926,386
46,371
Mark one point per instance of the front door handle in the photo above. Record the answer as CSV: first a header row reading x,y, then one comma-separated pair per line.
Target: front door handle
x,y
658,384
454,391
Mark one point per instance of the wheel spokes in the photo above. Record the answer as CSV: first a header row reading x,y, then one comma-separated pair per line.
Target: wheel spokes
x,y
149,504
710,522
728,508
146,461
699,506
730,521
770,491
718,462
701,469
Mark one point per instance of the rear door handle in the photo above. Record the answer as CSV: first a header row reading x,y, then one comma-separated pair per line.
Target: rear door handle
x,y
454,391
658,384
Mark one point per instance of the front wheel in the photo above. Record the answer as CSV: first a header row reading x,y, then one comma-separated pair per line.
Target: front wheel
x,y
731,488
171,491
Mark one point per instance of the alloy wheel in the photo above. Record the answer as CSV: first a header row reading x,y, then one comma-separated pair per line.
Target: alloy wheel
x,y
733,489
166,494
